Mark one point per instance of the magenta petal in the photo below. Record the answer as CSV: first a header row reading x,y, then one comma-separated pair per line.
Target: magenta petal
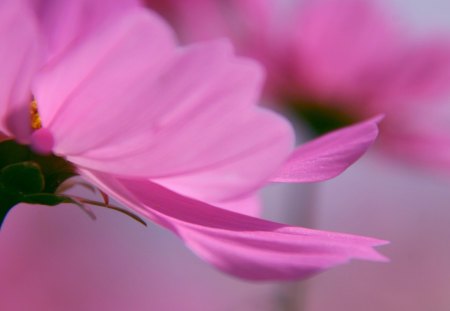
x,y
247,149
249,205
329,155
19,59
127,102
100,72
64,21
195,20
240,245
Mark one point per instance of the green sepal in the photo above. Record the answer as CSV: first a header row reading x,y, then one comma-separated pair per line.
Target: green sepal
x,y
31,178
47,199
11,152
55,170
9,200
22,178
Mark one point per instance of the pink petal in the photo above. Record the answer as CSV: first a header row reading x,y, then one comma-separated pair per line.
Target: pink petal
x,y
249,205
19,59
329,155
194,20
64,21
247,151
240,245
104,65
187,117
256,27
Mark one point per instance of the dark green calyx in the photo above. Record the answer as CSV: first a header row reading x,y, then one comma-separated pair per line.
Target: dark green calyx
x,y
30,178
320,118
23,177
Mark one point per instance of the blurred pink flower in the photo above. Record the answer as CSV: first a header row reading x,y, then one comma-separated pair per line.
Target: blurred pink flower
x,y
351,57
163,129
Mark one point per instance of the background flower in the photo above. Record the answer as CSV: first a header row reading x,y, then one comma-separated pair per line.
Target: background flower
x,y
334,62
413,206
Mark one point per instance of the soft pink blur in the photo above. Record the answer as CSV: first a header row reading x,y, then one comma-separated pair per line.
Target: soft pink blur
x,y
68,262
409,208
358,56
412,206
378,197
169,131
60,259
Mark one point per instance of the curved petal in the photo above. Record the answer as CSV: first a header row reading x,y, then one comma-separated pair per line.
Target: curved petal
x,y
249,205
257,28
95,71
64,21
197,114
329,155
187,117
240,245
195,20
260,143
19,59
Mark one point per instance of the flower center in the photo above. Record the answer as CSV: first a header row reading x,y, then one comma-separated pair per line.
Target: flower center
x,y
30,177
34,114
41,139
33,174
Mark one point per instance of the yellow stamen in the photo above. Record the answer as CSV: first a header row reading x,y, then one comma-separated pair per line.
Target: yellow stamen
x,y
34,114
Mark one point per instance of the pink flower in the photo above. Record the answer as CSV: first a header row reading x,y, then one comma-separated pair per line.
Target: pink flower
x,y
165,129
349,58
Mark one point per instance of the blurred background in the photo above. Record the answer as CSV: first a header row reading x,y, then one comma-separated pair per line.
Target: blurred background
x,y
59,259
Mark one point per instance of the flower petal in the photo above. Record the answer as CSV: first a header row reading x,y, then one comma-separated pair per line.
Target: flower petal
x,y
329,155
249,205
102,66
19,59
201,115
246,151
183,116
64,21
240,245
195,20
